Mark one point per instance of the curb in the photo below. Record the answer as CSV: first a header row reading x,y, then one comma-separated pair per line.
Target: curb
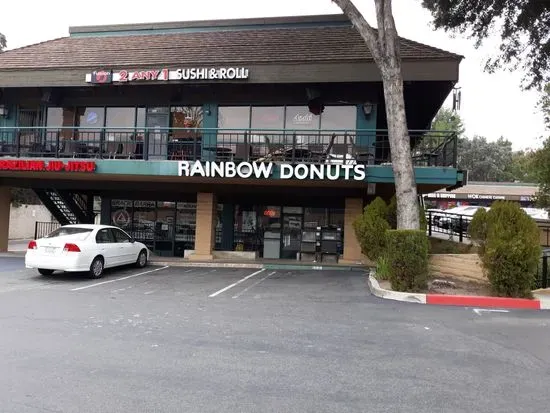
x,y
205,264
252,265
457,300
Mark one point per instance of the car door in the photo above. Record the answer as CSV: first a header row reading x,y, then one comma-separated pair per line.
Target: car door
x,y
107,247
125,247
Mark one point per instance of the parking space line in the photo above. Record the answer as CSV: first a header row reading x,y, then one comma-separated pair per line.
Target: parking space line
x,y
236,283
253,285
118,279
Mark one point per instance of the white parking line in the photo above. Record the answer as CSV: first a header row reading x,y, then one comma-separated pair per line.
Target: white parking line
x,y
118,279
253,285
236,283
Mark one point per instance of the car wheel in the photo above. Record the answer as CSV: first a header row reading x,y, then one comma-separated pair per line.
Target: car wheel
x,y
141,259
96,268
42,271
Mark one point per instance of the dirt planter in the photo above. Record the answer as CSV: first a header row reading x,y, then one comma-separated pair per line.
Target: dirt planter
x,y
466,267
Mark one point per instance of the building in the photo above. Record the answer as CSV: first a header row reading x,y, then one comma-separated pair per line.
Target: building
x,y
231,135
484,194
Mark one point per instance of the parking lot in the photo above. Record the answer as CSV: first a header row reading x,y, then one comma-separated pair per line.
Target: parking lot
x,y
171,339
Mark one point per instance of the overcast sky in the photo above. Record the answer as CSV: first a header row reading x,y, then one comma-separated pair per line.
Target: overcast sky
x,y
493,105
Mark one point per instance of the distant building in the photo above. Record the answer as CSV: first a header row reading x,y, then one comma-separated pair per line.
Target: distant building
x,y
483,193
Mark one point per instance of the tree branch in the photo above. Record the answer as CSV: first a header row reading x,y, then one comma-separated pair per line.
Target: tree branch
x,y
363,27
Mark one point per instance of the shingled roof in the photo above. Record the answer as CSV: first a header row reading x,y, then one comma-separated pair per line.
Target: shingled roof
x,y
325,43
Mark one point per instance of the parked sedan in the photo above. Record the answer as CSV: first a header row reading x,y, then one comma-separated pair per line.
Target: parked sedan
x,y
85,248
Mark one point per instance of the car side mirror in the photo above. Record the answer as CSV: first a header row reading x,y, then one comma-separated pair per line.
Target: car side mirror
x,y
132,240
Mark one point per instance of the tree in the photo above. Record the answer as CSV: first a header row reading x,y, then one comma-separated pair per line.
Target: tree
x,y
523,25
448,121
383,44
486,161
3,42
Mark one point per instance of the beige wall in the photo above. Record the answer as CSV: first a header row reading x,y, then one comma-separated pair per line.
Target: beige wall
x,y
352,249
23,219
5,200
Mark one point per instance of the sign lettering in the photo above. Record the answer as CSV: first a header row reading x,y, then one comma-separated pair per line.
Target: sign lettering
x,y
165,74
265,170
47,166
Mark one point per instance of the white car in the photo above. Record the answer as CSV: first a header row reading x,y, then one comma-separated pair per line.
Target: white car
x,y
85,248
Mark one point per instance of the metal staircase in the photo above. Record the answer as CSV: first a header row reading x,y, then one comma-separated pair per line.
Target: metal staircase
x,y
65,206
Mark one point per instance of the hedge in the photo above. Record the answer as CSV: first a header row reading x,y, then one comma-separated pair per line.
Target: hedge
x,y
407,255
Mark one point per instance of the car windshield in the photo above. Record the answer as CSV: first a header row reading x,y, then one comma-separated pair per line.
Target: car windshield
x,y
64,231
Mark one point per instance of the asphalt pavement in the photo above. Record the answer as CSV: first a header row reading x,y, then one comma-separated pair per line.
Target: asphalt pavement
x,y
164,339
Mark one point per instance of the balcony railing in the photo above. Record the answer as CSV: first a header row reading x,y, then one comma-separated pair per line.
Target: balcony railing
x,y
429,148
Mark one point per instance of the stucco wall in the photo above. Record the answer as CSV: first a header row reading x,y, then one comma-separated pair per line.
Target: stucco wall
x,y
23,218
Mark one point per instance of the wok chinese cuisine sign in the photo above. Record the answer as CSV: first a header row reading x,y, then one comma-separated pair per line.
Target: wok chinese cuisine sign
x,y
165,74
259,170
47,166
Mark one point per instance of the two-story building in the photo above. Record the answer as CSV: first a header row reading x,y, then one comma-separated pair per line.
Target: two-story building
x,y
205,136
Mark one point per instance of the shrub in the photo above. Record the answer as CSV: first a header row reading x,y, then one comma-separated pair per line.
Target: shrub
x,y
509,248
382,268
407,253
392,215
370,228
478,229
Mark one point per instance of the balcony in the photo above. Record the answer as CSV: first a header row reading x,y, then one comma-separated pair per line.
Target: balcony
x,y
370,147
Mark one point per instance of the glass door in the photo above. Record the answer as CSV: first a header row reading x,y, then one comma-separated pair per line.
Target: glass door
x,y
291,236
164,228
157,129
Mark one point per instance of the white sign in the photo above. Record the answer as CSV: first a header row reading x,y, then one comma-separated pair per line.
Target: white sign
x,y
483,196
265,170
441,195
164,74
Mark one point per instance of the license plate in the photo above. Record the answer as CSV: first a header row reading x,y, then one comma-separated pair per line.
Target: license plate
x,y
49,250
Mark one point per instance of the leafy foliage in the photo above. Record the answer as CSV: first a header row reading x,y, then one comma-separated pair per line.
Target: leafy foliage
x,y
449,121
382,268
407,255
486,161
523,25
23,196
370,228
509,248
3,42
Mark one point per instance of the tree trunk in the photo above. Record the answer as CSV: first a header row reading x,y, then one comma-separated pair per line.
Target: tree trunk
x,y
383,44
408,214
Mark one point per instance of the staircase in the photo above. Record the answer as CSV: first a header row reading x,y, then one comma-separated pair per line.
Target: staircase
x,y
65,206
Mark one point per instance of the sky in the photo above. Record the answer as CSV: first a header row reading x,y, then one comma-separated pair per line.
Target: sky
x,y
493,105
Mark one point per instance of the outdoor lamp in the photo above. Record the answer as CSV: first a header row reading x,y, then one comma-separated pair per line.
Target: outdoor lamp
x,y
367,108
3,111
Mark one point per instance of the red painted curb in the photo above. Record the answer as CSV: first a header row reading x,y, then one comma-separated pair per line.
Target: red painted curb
x,y
482,301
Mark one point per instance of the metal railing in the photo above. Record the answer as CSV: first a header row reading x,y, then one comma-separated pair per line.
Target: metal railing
x,y
429,148
453,225
41,229
542,273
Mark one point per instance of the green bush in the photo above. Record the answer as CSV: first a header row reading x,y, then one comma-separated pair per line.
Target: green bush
x,y
392,215
370,228
382,268
509,248
407,253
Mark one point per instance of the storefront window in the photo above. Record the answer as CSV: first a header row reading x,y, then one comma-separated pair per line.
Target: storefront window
x,y
237,119
92,119
315,217
143,222
267,123
59,118
186,117
186,215
340,119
